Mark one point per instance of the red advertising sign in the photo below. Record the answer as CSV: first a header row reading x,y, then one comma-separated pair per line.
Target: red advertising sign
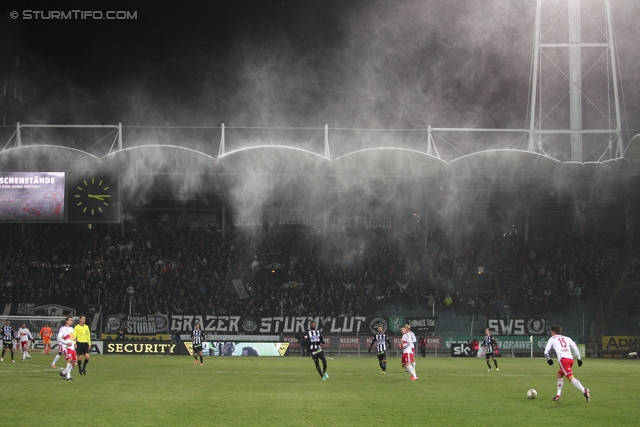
x,y
349,343
292,340
434,343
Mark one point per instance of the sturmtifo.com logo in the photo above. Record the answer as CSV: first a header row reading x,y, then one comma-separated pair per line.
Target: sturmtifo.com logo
x,y
51,15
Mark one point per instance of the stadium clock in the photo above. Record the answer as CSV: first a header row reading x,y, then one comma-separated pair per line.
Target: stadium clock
x,y
92,198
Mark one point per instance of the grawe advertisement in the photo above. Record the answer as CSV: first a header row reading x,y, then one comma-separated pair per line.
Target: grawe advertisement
x,y
505,343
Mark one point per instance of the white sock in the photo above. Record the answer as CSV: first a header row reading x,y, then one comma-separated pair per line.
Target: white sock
x,y
69,368
577,385
560,384
56,359
410,369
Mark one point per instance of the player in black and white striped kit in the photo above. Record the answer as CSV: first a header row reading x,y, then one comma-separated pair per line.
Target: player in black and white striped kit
x,y
313,339
197,338
383,343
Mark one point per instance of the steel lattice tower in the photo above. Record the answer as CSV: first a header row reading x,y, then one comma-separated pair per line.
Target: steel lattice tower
x,y
576,44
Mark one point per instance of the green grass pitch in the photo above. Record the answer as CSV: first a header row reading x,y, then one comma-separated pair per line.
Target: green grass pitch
x,y
287,391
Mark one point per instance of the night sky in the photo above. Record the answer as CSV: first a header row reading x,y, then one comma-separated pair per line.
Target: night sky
x,y
302,63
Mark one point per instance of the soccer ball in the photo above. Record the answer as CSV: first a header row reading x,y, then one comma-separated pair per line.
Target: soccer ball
x,y
531,394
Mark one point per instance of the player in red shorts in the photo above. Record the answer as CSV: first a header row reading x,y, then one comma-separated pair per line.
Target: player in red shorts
x,y
562,346
66,338
25,337
408,358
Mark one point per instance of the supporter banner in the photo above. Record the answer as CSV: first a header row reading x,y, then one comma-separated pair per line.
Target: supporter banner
x,y
240,289
341,222
275,325
32,196
239,348
518,326
139,347
359,222
620,342
461,350
136,325
421,324
349,343
198,220
395,323
292,325
31,309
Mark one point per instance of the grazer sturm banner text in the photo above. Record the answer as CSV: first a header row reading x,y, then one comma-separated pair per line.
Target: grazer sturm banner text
x,y
274,325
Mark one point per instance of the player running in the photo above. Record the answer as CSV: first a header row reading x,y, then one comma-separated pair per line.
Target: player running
x,y
313,339
562,346
382,341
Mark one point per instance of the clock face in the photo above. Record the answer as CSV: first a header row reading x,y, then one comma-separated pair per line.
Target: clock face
x,y
92,198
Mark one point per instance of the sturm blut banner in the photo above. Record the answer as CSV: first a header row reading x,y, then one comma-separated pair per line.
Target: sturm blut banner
x,y
296,324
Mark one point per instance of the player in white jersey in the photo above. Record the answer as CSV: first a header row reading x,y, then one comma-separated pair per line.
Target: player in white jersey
x,y
413,344
66,339
562,346
61,348
24,335
408,356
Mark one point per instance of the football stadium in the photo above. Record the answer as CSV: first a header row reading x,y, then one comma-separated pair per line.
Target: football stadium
x,y
184,246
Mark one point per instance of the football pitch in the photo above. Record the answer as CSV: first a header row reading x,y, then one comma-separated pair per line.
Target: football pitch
x,y
287,391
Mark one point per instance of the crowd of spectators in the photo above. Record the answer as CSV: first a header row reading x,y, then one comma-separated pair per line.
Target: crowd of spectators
x,y
292,271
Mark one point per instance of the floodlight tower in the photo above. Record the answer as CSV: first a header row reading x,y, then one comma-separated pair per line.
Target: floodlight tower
x,y
549,46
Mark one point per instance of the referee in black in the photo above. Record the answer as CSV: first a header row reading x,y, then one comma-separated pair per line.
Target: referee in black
x,y
313,339
382,340
83,343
